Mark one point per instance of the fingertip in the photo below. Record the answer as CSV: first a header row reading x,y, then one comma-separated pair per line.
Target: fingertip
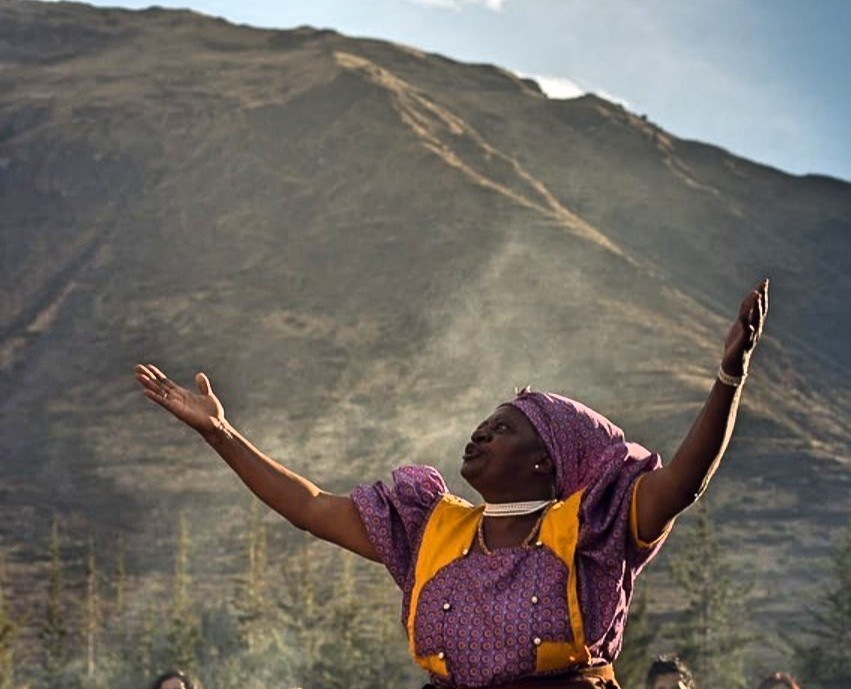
x,y
202,382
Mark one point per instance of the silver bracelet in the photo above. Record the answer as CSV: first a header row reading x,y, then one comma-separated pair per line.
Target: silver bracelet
x,y
733,381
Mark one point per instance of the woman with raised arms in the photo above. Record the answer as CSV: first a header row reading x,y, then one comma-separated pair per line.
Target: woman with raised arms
x,y
531,588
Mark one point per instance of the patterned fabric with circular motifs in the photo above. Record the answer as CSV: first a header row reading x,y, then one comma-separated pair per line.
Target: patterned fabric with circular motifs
x,y
485,613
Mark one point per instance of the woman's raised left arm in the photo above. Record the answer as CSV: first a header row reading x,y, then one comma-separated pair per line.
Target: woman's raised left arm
x,y
663,494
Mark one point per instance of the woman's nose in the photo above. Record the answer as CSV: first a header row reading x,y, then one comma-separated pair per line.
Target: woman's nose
x,y
481,434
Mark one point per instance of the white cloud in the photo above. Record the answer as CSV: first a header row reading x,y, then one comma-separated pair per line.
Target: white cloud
x,y
495,5
562,88
557,87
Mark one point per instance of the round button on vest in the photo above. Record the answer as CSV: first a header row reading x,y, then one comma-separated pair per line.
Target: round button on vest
x,y
446,606
537,641
441,655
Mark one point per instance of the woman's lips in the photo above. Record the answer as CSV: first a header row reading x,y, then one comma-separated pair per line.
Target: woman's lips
x,y
471,451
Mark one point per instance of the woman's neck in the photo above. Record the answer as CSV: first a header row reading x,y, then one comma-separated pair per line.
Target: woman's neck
x,y
509,532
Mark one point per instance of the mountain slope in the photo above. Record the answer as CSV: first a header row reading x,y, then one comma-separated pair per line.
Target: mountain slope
x,y
367,247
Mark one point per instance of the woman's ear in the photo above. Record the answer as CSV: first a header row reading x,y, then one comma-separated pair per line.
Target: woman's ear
x,y
544,465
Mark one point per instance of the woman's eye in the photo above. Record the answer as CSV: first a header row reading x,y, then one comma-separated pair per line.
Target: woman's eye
x,y
500,426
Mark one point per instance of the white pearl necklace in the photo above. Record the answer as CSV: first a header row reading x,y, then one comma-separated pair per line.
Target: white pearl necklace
x,y
514,509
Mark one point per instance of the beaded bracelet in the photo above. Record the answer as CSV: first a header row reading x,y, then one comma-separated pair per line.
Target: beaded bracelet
x,y
733,381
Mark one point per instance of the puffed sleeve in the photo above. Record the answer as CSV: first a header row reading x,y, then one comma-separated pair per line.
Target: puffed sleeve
x,y
394,516
609,553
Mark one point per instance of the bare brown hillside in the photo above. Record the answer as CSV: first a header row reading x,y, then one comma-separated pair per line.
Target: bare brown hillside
x,y
366,247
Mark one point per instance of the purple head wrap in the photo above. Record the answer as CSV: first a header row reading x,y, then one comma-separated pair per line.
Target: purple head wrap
x,y
583,445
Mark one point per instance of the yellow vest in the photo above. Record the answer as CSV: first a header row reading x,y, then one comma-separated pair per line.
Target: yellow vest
x,y
448,536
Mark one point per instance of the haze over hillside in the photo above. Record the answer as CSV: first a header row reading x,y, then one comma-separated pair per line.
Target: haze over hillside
x,y
367,247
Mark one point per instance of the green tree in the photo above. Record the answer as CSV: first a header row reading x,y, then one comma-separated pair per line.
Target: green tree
x,y
8,633
115,614
300,604
53,630
340,615
710,635
184,635
257,559
824,659
145,645
380,644
359,627
251,601
120,581
91,616
631,665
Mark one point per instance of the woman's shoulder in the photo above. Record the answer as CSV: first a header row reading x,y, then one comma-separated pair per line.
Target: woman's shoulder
x,y
419,484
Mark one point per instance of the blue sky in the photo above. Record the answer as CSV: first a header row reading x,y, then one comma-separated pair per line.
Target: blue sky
x,y
765,79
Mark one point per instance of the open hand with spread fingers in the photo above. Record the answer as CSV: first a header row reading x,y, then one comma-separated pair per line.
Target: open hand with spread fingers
x,y
199,410
746,331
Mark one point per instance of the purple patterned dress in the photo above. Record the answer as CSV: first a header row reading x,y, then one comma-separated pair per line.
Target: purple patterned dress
x,y
487,615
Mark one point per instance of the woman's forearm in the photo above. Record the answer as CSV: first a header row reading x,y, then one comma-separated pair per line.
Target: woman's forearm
x,y
663,494
700,453
281,489
331,517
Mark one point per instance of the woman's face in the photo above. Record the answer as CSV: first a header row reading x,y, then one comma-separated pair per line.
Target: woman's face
x,y
173,683
499,461
670,680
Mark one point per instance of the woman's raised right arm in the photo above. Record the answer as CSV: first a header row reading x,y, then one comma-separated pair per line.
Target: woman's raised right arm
x,y
331,517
